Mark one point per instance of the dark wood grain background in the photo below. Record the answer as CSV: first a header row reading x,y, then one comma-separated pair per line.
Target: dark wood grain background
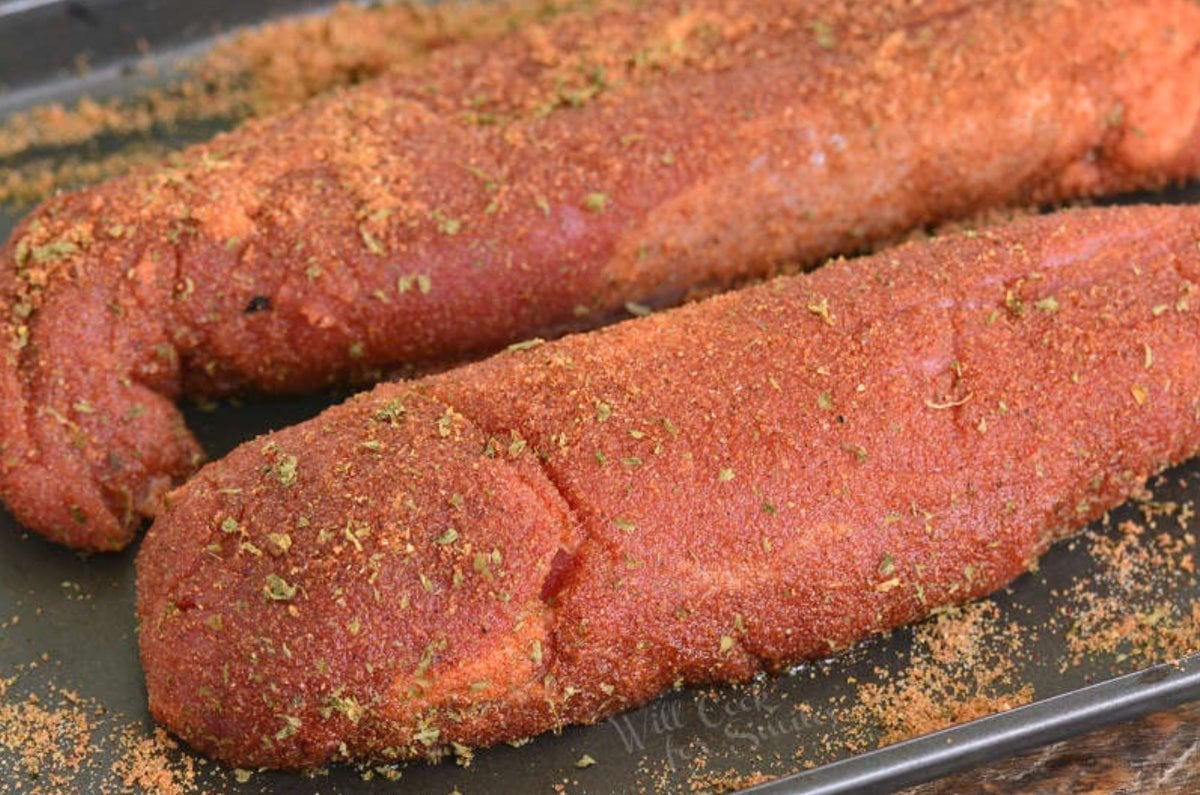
x,y
1158,755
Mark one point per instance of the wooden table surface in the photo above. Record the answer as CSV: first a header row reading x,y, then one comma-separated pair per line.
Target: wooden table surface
x,y
1157,755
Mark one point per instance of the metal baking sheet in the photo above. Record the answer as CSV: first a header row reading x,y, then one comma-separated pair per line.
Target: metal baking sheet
x,y
74,626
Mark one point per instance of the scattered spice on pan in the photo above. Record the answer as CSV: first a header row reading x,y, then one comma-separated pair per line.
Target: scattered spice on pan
x,y
961,668
1125,610
53,740
148,763
256,72
45,739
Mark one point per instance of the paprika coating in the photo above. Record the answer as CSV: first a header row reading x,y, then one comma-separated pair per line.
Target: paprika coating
x,y
567,529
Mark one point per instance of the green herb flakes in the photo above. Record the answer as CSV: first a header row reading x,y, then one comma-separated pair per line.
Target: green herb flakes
x,y
291,725
285,470
1049,305
53,252
481,562
821,310
526,345
421,281
277,589
517,445
824,35
1014,304
860,452
392,412
348,706
281,541
596,202
427,735
371,242
445,224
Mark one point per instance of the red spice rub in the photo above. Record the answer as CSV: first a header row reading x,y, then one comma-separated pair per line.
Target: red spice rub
x,y
564,530
541,181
